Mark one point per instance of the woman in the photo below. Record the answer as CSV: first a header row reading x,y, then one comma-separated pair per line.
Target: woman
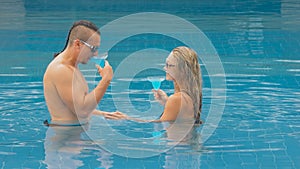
x,y
183,69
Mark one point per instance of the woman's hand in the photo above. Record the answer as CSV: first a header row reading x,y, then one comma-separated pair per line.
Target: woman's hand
x,y
115,115
160,96
111,115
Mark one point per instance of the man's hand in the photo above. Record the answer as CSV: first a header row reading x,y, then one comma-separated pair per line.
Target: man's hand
x,y
115,115
106,72
111,115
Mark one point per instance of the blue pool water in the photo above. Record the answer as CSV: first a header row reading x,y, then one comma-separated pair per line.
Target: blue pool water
x,y
258,44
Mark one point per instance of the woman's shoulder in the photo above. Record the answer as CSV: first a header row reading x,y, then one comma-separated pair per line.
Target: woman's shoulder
x,y
181,98
179,95
175,97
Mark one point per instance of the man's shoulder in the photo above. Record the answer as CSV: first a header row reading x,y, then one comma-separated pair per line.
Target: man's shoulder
x,y
57,71
58,68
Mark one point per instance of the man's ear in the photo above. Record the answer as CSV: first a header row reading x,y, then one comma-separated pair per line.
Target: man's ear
x,y
76,43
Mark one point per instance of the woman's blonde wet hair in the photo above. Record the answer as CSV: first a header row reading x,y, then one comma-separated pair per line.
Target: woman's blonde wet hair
x,y
190,80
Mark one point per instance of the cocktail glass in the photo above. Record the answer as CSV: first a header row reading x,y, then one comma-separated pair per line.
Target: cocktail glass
x,y
100,59
156,81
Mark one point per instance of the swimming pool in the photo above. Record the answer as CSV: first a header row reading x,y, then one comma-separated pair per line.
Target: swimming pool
x,y
257,44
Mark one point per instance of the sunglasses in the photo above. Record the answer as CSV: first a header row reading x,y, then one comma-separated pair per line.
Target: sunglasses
x,y
93,48
169,65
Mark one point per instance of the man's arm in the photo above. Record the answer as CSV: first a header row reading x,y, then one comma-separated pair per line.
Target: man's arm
x,y
73,90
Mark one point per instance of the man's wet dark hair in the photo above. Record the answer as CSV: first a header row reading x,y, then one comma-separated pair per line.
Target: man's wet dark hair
x,y
83,23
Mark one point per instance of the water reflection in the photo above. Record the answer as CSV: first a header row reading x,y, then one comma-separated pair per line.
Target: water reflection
x,y
64,148
61,147
142,140
179,157
187,153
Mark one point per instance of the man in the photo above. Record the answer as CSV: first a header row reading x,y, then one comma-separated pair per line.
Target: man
x,y
65,88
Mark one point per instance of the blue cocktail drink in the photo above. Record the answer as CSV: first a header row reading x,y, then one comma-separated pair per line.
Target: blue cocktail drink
x,y
100,59
156,81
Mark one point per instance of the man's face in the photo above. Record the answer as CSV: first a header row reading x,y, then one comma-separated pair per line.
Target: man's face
x,y
89,48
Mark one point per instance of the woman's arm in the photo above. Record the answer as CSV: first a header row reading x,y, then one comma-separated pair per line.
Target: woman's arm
x,y
111,115
172,108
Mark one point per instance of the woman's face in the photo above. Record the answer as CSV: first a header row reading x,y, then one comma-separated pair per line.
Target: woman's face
x,y
171,68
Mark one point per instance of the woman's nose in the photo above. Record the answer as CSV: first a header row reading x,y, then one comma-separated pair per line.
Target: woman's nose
x,y
165,68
